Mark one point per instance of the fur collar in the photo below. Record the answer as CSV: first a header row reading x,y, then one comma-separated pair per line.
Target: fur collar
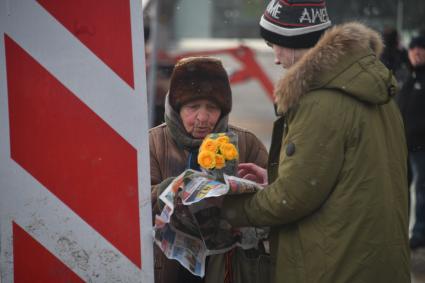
x,y
335,44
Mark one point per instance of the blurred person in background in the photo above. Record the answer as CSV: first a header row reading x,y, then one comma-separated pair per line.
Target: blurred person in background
x,y
395,58
394,55
162,84
163,69
198,103
412,106
337,199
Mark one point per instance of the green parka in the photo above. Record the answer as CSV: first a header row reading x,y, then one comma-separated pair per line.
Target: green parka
x,y
338,199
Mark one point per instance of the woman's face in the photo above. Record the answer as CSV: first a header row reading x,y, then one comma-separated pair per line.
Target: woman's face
x,y
200,117
417,56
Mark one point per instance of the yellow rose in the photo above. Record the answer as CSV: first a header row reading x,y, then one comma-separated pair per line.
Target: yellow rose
x,y
219,161
229,151
222,139
206,159
209,145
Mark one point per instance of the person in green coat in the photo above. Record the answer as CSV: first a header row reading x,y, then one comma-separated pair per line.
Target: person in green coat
x,y
337,196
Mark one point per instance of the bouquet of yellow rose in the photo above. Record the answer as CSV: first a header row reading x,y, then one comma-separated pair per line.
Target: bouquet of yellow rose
x,y
219,154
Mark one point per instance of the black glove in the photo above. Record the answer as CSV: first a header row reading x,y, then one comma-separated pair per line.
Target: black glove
x,y
157,190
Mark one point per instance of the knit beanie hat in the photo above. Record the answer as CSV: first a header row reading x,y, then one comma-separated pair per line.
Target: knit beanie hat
x,y
294,23
200,78
418,41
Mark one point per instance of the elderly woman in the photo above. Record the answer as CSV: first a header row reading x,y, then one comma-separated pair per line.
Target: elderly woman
x,y
198,103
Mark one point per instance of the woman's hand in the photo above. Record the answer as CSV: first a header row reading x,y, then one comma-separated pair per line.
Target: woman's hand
x,y
253,172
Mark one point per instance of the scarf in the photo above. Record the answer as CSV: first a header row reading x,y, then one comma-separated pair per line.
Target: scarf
x,y
183,139
179,133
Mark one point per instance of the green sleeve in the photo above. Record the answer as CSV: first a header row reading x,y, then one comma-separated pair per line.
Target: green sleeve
x,y
305,178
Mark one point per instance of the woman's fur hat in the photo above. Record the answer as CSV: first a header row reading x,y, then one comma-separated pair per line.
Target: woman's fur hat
x,y
200,78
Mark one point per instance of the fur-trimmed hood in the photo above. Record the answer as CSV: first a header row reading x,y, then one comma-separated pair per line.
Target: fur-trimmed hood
x,y
345,58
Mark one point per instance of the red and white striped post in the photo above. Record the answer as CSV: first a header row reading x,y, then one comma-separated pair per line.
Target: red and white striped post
x,y
74,168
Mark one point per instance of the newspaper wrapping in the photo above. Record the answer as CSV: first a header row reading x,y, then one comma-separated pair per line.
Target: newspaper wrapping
x,y
190,228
